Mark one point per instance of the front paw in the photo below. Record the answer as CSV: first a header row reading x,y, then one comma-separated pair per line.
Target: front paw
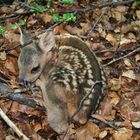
x,y
38,83
59,127
80,117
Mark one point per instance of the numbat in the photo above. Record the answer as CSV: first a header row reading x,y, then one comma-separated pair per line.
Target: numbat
x,y
68,74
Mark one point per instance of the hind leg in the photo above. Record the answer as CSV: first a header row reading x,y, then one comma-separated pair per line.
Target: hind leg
x,y
82,115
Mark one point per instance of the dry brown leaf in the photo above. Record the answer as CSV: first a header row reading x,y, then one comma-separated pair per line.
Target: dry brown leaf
x,y
31,22
123,134
37,127
115,84
118,13
20,10
10,137
59,30
138,14
121,8
85,27
136,124
11,36
132,36
5,10
106,107
87,132
127,110
10,66
130,74
114,98
136,101
135,25
137,58
127,62
74,30
101,31
125,28
126,41
2,55
111,39
103,134
46,18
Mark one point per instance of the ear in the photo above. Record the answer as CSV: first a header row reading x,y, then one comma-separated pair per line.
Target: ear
x,y
47,41
24,37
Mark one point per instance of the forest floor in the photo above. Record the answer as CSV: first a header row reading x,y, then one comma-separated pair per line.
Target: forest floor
x,y
112,30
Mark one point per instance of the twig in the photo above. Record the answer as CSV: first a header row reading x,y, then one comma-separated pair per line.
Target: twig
x,y
100,118
113,4
98,6
120,50
16,95
9,49
84,98
99,19
12,125
14,15
120,58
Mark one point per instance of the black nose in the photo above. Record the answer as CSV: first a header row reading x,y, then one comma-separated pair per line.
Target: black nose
x,y
25,83
21,81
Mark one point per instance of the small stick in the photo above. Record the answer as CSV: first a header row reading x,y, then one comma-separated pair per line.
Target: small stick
x,y
97,6
84,98
12,125
100,118
98,20
117,59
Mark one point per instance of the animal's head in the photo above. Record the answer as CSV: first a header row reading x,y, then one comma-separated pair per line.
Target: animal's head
x,y
34,55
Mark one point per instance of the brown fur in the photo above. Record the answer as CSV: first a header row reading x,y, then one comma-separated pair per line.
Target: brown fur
x,y
67,71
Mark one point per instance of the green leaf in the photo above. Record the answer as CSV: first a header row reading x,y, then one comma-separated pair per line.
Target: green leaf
x,y
68,1
48,1
30,1
69,17
23,22
13,26
57,18
137,1
52,11
38,8
2,29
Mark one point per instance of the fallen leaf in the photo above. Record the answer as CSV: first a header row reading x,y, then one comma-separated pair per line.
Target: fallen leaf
x,y
11,36
127,62
111,39
126,41
74,30
106,107
10,66
138,14
115,84
87,132
46,18
103,134
114,98
3,55
121,9
129,74
136,100
136,124
123,134
137,58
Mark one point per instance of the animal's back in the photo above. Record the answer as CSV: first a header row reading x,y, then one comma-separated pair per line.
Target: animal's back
x,y
68,74
78,71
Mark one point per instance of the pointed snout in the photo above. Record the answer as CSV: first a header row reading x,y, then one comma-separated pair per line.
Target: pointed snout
x,y
25,83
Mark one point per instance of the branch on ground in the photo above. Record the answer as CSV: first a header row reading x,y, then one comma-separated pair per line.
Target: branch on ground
x,y
8,93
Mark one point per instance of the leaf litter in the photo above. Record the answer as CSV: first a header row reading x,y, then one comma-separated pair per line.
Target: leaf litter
x,y
114,36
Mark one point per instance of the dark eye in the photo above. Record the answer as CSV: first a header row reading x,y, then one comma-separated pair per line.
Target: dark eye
x,y
35,69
